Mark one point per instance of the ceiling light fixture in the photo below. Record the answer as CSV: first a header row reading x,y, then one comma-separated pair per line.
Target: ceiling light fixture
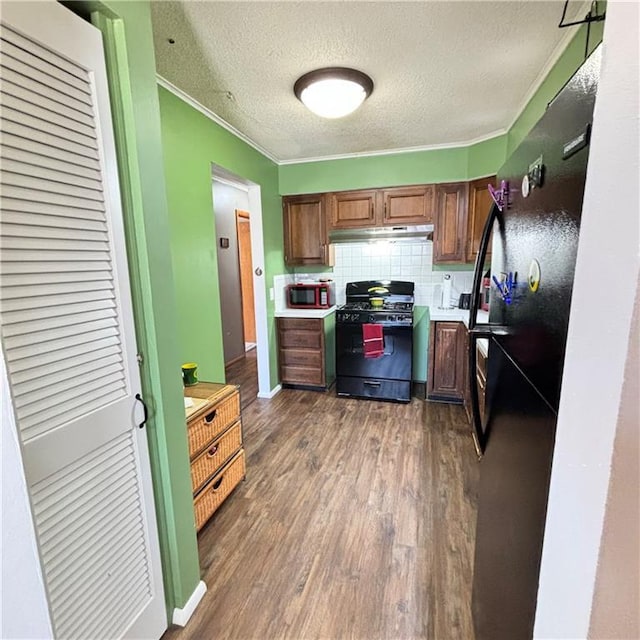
x,y
333,92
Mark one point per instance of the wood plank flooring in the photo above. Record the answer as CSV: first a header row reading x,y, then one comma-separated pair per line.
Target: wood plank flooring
x,y
244,372
356,520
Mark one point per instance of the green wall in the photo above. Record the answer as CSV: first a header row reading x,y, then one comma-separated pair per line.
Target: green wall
x,y
191,143
127,34
395,169
420,343
567,64
485,158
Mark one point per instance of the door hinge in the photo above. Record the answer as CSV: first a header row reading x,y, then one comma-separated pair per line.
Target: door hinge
x,y
140,359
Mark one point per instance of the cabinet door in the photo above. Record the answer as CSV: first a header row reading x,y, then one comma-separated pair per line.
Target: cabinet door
x,y
408,205
447,351
450,223
479,206
351,209
305,236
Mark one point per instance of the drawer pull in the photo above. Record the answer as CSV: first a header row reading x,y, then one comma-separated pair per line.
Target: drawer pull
x,y
210,417
212,452
216,484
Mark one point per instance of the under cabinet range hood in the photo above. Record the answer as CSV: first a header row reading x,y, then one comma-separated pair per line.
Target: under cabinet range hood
x,y
407,233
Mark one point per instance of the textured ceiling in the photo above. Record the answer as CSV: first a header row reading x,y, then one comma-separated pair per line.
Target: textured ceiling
x,y
444,72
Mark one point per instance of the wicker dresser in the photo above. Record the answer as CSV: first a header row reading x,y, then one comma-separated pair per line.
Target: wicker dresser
x,y
214,429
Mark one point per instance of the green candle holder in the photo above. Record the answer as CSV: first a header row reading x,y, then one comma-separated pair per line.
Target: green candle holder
x,y
189,374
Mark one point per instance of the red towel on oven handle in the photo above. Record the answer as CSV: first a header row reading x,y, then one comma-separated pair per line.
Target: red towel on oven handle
x,y
372,340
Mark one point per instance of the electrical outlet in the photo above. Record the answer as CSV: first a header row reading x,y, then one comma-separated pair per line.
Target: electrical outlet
x,y
272,294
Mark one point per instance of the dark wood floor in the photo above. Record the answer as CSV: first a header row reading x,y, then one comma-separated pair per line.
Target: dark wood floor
x,y
244,372
356,520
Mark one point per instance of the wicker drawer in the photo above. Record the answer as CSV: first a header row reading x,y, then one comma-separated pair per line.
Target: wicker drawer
x,y
215,455
218,488
203,430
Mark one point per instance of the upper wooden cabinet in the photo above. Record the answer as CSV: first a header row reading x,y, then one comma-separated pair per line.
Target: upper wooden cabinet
x,y
450,223
408,205
350,209
479,206
382,207
305,230
457,210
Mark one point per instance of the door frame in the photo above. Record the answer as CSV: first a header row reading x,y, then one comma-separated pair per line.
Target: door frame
x,y
259,281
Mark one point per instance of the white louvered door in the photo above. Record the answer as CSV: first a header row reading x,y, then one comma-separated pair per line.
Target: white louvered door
x,y
67,330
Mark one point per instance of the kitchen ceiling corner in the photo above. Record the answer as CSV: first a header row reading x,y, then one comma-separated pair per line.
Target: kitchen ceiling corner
x,y
446,73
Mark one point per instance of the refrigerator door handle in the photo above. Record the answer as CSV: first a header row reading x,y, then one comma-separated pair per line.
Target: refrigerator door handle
x,y
477,432
479,266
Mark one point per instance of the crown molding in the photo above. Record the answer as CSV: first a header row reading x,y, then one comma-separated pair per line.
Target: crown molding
x,y
549,64
391,152
192,102
533,88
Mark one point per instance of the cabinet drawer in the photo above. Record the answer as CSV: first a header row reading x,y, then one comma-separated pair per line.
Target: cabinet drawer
x,y
300,339
213,422
218,488
215,455
300,324
301,375
301,357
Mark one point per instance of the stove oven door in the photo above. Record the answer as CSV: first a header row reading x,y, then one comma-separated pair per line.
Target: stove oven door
x,y
385,377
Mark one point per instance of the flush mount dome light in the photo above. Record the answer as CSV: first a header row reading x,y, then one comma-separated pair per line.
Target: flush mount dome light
x,y
333,92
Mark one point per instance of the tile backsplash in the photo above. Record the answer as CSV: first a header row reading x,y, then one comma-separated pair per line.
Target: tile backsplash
x,y
411,262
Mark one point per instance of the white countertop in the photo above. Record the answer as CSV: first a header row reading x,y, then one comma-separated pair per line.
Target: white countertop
x,y
437,314
461,315
305,313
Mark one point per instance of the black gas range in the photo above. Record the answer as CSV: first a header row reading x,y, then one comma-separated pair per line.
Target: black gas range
x,y
390,314
386,376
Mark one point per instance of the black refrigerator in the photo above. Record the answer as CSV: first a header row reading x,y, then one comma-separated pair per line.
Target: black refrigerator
x,y
535,223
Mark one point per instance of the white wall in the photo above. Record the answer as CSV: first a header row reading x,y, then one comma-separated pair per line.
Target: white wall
x,y
616,602
226,199
24,612
409,261
598,341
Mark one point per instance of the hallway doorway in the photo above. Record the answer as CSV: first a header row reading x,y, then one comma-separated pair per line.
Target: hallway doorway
x,y
241,281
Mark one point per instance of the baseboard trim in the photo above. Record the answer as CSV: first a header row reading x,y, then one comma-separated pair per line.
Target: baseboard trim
x,y
270,394
181,616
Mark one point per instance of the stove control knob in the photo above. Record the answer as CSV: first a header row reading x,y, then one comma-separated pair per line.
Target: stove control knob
x,y
372,318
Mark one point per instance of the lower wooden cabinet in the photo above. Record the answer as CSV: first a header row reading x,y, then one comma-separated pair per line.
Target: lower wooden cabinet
x,y
447,379
306,351
214,431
